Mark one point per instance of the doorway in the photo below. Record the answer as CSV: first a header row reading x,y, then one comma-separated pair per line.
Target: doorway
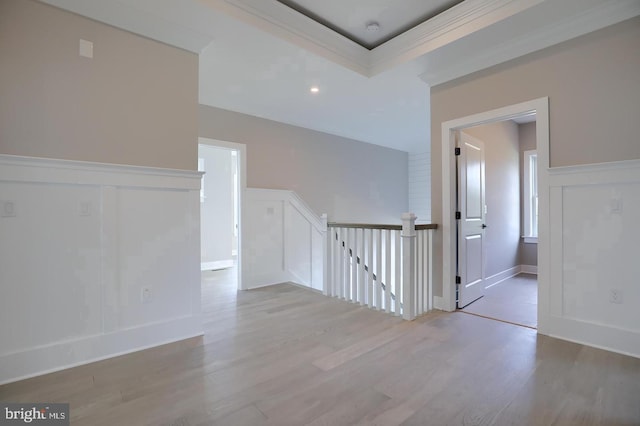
x,y
221,200
449,272
505,285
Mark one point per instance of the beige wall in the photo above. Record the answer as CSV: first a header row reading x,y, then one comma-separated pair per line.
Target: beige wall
x,y
527,138
135,102
502,236
593,85
349,180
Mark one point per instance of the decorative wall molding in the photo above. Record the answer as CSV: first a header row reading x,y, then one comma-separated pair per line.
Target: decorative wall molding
x,y
283,240
454,24
592,19
99,233
593,240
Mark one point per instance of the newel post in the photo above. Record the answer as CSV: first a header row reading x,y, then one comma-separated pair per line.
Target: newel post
x,y
325,255
408,265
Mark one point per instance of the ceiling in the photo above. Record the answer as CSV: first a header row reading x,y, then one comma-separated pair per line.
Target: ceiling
x,y
261,57
373,22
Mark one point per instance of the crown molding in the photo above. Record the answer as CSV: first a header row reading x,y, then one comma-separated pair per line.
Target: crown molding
x,y
593,19
460,21
455,23
292,26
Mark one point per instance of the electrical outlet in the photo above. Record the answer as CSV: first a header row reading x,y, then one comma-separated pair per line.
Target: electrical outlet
x,y
615,296
146,295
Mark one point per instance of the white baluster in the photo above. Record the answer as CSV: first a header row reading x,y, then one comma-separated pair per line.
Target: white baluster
x,y
387,270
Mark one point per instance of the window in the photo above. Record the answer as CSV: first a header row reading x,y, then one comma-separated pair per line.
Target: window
x,y
530,196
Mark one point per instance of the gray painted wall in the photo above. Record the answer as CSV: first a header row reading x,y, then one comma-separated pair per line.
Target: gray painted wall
x,y
593,85
502,236
349,180
134,103
527,137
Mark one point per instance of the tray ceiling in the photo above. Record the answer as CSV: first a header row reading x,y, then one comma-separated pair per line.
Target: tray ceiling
x,y
354,19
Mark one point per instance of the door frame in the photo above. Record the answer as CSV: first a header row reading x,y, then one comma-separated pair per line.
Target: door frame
x,y
242,186
541,107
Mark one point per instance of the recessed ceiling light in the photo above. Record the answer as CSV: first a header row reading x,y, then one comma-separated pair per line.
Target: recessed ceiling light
x,y
314,89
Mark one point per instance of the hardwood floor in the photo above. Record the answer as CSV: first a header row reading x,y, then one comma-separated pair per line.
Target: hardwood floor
x,y
284,355
513,300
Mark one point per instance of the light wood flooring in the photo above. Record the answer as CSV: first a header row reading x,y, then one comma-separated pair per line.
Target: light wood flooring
x,y
284,355
513,300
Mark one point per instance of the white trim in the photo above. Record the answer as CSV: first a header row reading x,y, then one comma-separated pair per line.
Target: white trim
x,y
601,336
216,265
456,23
292,26
529,235
17,168
541,107
51,358
241,149
529,269
501,276
109,334
438,303
592,19
291,204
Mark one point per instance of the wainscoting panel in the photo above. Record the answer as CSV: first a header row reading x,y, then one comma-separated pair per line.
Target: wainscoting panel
x,y
282,240
96,260
595,242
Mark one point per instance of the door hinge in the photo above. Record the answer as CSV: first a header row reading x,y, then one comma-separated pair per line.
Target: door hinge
x,y
458,280
457,151
458,216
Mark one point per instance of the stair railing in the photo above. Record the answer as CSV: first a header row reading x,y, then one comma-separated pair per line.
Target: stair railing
x,y
384,267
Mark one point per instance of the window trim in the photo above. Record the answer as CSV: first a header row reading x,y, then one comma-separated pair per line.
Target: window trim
x,y
530,191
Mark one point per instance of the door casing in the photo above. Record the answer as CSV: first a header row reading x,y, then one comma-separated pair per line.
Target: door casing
x,y
541,107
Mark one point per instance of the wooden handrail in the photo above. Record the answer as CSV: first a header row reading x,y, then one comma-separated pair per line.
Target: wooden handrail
x,y
379,226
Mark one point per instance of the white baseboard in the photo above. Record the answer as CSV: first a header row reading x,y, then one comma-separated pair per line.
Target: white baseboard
x,y
529,269
438,303
60,356
218,264
501,276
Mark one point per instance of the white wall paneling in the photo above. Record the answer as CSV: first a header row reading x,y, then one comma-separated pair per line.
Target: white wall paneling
x,y
420,186
593,250
83,240
283,240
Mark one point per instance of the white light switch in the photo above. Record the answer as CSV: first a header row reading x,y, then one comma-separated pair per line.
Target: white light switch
x,y
85,209
616,205
86,48
8,209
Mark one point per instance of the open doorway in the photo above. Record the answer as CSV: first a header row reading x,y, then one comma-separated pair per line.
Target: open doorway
x,y
540,107
221,214
498,255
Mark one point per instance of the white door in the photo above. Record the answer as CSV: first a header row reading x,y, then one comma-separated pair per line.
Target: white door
x,y
471,225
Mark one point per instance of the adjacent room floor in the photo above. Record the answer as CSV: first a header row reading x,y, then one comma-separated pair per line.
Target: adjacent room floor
x,y
285,355
514,300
